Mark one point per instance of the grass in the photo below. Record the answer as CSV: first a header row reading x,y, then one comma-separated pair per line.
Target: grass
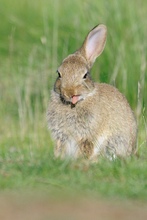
x,y
35,37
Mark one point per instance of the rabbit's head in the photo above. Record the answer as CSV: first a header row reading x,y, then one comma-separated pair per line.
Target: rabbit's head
x,y
74,82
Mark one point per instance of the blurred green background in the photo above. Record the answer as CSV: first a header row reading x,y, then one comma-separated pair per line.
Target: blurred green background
x,y
34,38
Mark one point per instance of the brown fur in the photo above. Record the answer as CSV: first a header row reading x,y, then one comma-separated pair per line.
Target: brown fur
x,y
101,122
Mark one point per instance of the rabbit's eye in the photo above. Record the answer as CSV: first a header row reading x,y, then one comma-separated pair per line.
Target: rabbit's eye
x,y
85,76
59,75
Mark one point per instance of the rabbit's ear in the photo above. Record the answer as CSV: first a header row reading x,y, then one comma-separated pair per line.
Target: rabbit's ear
x,y
94,43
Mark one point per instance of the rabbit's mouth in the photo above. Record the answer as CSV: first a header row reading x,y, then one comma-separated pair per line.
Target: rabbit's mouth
x,y
75,99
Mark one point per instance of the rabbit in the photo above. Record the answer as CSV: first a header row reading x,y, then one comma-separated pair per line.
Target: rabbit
x,y
89,119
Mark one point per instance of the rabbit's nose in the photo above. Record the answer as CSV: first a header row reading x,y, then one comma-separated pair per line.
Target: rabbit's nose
x,y
69,93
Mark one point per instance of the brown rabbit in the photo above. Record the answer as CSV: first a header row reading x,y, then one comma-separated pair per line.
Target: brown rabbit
x,y
86,118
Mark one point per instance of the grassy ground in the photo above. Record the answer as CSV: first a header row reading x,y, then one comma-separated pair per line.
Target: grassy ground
x,y
35,37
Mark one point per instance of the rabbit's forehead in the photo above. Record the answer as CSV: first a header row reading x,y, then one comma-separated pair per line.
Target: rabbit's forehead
x,y
73,65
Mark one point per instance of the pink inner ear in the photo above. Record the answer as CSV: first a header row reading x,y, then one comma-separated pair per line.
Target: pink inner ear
x,y
95,43
92,43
